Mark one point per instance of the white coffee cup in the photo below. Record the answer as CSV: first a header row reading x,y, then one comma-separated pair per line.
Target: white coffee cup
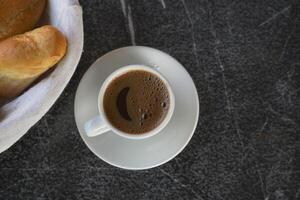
x,y
100,124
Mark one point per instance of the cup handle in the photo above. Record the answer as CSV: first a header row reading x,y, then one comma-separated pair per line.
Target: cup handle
x,y
95,126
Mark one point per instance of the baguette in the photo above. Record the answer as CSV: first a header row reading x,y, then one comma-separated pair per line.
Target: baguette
x,y
19,16
24,57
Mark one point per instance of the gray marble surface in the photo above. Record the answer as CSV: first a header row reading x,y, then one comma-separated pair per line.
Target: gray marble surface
x,y
244,57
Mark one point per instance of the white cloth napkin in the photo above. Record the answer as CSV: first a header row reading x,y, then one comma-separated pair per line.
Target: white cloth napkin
x,y
17,116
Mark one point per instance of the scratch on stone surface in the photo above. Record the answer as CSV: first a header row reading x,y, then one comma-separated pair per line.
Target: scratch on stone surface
x,y
163,3
229,28
217,56
237,128
282,117
28,169
282,87
131,27
128,16
247,152
46,125
7,187
262,185
176,160
264,125
288,172
275,15
286,119
188,14
271,172
289,93
123,5
181,184
95,168
287,41
47,132
173,178
88,168
220,63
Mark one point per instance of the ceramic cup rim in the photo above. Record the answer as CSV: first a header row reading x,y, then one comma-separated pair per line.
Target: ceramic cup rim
x,y
118,73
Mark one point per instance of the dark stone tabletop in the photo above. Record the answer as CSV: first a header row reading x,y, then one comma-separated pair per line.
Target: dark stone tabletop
x,y
244,57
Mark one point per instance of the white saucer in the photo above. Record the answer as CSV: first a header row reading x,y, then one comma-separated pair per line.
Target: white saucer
x,y
153,151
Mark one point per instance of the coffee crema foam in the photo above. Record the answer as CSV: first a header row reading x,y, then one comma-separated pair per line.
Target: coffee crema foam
x,y
136,102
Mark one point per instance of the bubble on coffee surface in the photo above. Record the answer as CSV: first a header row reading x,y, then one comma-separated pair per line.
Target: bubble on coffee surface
x,y
144,116
146,102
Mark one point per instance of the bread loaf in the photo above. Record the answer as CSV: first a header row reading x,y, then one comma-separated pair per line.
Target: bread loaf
x,y
24,57
19,16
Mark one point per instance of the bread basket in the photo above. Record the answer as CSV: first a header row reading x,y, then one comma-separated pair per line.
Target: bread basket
x,y
19,115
